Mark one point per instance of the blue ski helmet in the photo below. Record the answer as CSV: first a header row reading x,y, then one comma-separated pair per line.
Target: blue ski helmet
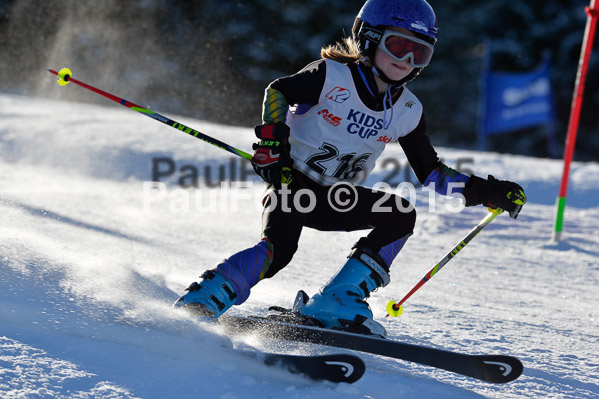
x,y
417,16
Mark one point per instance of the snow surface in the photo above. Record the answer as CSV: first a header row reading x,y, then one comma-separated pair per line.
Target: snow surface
x,y
90,264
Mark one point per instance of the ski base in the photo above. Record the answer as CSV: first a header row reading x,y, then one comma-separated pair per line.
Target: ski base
x,y
489,368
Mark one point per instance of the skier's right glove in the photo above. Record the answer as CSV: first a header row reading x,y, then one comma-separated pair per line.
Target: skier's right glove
x,y
272,157
494,194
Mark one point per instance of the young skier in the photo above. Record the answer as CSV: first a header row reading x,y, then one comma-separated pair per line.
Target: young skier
x,y
348,105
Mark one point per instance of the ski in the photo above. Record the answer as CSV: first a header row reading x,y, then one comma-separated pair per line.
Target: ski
x,y
335,368
489,368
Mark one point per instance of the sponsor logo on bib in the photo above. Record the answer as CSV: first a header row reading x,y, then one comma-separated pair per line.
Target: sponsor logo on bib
x,y
338,94
329,117
363,125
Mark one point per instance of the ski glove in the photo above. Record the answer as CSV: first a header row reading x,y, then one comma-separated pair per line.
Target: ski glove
x,y
494,194
272,157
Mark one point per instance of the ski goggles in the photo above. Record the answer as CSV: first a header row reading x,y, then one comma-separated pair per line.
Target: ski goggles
x,y
401,47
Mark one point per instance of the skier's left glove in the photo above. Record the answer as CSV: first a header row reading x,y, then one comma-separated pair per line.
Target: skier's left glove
x,y
494,194
272,157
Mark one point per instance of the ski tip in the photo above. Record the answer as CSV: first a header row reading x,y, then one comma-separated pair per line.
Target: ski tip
x,y
63,76
334,367
344,368
500,369
393,309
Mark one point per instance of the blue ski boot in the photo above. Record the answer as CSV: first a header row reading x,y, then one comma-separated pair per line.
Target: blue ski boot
x,y
341,303
211,297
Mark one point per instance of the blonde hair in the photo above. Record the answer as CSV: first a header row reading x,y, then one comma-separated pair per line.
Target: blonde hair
x,y
346,52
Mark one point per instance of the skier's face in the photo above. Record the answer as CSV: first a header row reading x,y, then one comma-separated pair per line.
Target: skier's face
x,y
395,70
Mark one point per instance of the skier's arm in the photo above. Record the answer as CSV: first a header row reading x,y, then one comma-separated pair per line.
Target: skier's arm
x,y
430,170
423,159
303,87
272,157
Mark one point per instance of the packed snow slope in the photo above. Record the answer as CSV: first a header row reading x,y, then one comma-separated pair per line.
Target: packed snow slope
x,y
91,260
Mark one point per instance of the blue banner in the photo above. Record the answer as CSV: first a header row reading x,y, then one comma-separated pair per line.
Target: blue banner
x,y
513,101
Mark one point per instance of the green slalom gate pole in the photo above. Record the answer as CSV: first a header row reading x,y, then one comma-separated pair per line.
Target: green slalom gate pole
x,y
395,308
64,77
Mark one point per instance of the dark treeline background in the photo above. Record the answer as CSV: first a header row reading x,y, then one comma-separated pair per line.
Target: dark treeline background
x,y
212,59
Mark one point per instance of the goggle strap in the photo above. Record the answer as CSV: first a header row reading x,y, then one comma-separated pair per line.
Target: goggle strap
x,y
371,34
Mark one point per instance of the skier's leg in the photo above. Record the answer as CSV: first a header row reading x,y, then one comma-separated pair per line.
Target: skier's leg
x,y
341,302
282,225
229,283
390,218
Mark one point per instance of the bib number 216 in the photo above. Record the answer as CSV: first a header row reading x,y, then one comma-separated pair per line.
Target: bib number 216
x,y
348,165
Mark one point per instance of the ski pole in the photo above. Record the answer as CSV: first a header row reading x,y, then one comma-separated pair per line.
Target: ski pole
x,y
65,76
395,308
